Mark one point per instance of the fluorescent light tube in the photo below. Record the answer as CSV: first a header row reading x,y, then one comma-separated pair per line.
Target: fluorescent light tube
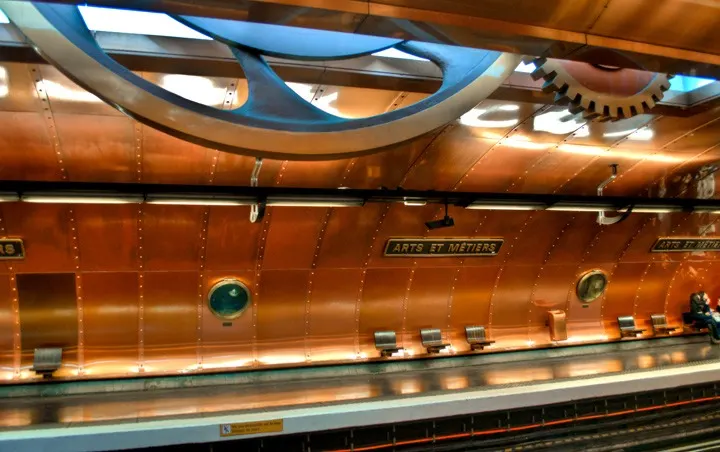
x,y
9,197
570,207
302,201
510,205
80,198
199,200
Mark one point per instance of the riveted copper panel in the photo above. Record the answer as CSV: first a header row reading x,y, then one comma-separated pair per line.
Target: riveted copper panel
x,y
110,322
563,14
281,316
108,237
48,317
66,97
447,158
332,330
292,238
620,295
170,319
381,305
28,142
550,172
428,302
387,168
227,250
171,237
104,152
631,18
339,252
510,313
7,324
651,292
226,344
471,302
607,134
21,95
45,229
168,160
326,174
610,242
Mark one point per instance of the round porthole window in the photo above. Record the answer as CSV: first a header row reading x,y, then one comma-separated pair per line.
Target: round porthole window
x,y
591,286
228,299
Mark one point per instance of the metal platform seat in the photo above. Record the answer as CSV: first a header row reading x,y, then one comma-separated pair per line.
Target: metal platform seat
x,y
386,342
432,340
476,337
660,325
627,327
46,361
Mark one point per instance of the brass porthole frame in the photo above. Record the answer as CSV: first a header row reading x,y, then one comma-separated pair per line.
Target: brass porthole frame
x,y
584,298
222,283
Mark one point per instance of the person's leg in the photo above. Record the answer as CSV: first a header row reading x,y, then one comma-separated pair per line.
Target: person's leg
x,y
714,329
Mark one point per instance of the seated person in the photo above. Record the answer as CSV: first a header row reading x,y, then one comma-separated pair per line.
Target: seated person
x,y
701,312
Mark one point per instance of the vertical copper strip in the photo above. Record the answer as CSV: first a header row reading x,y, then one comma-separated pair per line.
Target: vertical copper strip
x,y
15,307
138,152
201,283
511,246
538,278
78,292
259,265
378,226
432,145
202,290
48,117
138,129
141,292
313,266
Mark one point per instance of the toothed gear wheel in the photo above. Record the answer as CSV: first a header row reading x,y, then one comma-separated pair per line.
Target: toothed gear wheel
x,y
561,77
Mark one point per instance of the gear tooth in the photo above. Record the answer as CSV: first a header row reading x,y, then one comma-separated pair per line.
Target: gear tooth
x,y
590,115
551,87
646,108
576,108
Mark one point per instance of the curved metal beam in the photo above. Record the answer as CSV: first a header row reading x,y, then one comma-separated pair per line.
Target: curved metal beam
x,y
59,34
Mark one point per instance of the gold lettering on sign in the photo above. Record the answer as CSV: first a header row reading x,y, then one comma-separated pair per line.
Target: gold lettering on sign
x,y
11,249
685,244
426,247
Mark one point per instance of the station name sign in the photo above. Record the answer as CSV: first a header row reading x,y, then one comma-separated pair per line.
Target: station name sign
x,y
685,244
11,249
442,247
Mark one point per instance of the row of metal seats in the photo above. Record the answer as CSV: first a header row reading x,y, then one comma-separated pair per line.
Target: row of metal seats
x,y
386,341
47,360
659,323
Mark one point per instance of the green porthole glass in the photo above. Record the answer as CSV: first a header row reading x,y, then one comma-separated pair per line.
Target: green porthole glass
x,y
228,299
591,286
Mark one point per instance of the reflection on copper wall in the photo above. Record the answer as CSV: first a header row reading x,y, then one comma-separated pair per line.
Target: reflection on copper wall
x,y
319,281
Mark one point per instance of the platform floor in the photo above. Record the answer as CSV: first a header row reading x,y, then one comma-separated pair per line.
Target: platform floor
x,y
521,368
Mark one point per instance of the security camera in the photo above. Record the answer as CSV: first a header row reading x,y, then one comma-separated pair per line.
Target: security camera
x,y
446,222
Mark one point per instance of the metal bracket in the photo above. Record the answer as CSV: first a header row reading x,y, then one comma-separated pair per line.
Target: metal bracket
x,y
602,219
257,211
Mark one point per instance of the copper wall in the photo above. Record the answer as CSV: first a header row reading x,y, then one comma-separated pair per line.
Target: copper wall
x,y
320,283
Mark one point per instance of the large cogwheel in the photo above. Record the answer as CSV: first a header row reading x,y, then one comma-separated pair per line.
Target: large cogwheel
x,y
600,92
